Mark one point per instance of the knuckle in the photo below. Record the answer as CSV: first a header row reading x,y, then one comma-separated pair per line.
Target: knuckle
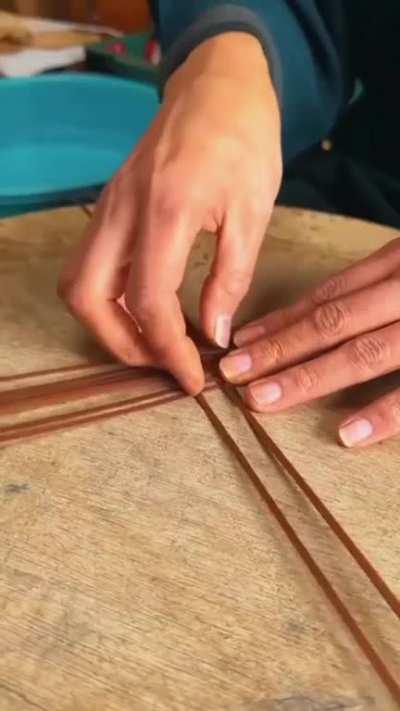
x,y
144,304
171,192
387,411
329,289
330,319
166,205
144,310
236,282
306,379
368,352
393,408
269,350
75,296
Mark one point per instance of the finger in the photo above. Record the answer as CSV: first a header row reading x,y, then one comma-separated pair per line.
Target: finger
x,y
368,271
159,259
107,320
357,361
238,245
95,277
325,327
374,423
108,237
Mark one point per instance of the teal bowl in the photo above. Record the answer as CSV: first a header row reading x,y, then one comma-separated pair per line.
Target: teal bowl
x,y
63,136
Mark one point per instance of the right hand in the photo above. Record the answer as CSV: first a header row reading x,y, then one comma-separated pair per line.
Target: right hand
x,y
211,160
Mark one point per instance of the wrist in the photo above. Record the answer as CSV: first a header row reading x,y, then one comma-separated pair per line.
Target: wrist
x,y
231,55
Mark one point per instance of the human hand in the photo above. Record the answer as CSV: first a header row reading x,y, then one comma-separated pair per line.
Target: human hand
x,y
211,160
344,332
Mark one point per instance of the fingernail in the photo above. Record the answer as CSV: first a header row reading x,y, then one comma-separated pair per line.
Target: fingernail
x,y
266,393
233,366
246,335
355,432
222,333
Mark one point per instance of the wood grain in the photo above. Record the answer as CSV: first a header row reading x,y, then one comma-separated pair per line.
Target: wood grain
x,y
138,570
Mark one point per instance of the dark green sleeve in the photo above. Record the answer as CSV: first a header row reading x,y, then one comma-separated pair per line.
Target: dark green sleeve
x,y
306,45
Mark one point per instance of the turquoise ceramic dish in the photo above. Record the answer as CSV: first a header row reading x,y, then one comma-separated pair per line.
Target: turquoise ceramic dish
x,y
62,136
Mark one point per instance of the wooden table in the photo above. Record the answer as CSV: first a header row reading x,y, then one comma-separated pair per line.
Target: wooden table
x,y
140,575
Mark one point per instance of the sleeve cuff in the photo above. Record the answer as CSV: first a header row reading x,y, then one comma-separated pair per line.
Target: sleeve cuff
x,y
224,18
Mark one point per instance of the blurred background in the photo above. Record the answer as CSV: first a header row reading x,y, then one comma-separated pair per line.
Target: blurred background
x,y
121,14
78,86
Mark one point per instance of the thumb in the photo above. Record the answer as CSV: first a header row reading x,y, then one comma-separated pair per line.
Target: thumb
x,y
230,277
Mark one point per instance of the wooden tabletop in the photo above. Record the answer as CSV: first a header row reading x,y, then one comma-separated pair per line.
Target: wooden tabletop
x,y
139,570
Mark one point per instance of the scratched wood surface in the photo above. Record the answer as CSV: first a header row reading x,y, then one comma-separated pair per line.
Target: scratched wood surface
x,y
138,569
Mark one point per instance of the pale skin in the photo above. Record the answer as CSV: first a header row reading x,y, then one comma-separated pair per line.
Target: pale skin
x,y
212,160
344,332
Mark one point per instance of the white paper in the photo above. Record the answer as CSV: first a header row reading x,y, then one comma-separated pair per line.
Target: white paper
x,y
29,62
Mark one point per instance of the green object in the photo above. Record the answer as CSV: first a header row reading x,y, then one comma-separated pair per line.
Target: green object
x,y
124,56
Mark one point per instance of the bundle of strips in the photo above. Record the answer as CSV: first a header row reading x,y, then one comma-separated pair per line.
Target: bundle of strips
x,y
145,388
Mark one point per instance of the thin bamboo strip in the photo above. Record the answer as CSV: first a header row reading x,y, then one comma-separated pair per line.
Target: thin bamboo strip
x,y
54,371
61,392
272,449
352,625
26,430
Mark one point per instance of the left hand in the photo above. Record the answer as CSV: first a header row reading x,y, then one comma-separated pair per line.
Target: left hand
x,y
346,331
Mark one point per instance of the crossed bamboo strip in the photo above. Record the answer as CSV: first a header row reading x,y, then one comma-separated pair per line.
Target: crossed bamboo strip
x,y
125,379
60,392
106,382
342,610
103,382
